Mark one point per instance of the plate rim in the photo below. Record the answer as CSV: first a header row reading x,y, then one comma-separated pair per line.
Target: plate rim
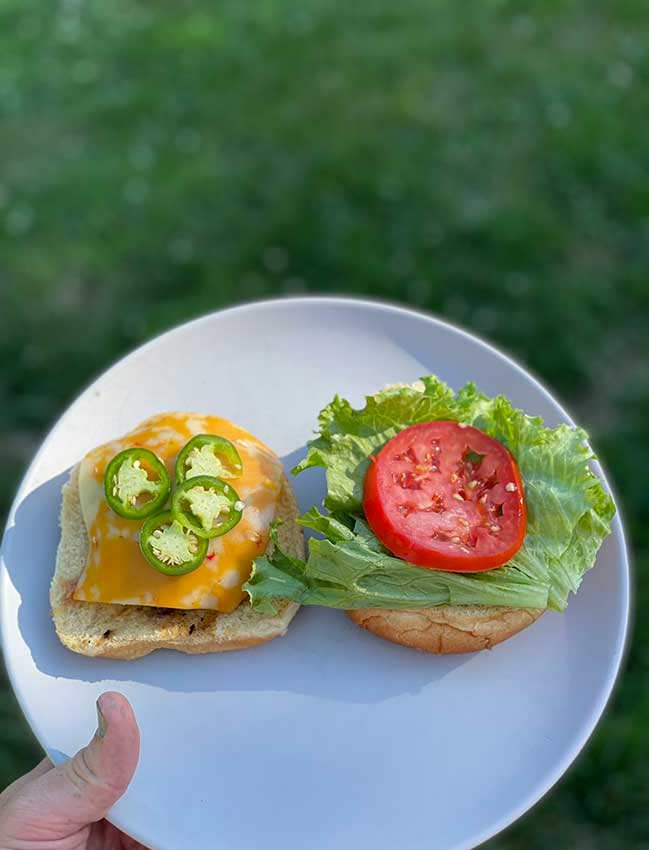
x,y
615,669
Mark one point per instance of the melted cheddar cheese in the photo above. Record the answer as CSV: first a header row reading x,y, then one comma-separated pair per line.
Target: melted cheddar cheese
x,y
117,572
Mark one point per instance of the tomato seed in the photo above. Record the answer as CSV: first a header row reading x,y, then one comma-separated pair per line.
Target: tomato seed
x,y
406,480
408,456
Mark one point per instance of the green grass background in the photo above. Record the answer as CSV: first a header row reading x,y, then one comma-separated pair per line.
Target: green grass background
x,y
485,160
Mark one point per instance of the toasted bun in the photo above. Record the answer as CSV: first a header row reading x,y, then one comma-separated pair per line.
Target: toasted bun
x,y
129,631
447,628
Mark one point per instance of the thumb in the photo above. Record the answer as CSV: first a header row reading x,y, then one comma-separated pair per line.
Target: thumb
x,y
80,791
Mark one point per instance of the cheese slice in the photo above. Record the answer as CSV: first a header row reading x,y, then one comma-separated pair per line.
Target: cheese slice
x,y
117,572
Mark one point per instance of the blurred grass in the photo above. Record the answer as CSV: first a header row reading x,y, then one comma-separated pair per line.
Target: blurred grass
x,y
488,161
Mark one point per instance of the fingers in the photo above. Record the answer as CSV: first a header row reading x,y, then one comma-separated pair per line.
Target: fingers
x,y
99,774
64,799
11,790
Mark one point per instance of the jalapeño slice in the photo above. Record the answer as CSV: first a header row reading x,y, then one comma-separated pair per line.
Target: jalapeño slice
x,y
207,454
136,483
206,505
170,548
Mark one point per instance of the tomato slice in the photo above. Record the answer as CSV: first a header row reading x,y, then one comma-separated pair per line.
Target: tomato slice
x,y
447,496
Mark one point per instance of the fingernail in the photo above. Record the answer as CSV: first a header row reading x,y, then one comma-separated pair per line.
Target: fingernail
x,y
102,723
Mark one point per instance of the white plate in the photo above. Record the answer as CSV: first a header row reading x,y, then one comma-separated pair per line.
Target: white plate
x,y
328,737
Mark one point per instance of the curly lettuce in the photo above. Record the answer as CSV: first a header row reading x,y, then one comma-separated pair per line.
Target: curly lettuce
x,y
568,512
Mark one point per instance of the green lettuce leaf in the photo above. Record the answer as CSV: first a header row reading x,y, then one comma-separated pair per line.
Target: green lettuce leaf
x,y
568,512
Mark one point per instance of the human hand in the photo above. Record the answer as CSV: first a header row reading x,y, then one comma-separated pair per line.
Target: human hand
x,y
63,808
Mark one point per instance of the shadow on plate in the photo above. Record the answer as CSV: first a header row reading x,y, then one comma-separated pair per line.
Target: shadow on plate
x,y
323,654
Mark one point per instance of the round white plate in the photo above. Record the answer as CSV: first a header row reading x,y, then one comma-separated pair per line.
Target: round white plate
x,y
328,737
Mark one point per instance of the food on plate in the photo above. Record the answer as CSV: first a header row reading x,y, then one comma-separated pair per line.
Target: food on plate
x,y
159,530
413,487
452,521
132,474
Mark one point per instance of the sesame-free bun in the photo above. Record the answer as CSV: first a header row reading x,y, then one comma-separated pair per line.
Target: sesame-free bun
x,y
447,628
129,631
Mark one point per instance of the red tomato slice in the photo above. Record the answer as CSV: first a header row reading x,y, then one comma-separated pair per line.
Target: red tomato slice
x,y
445,495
